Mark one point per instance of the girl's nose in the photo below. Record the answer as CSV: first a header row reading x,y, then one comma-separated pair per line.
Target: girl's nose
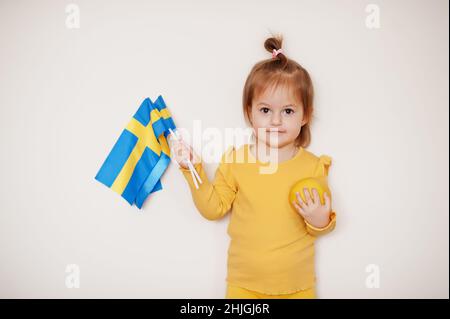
x,y
276,119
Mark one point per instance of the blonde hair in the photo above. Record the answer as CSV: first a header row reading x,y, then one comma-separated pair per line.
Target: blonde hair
x,y
280,70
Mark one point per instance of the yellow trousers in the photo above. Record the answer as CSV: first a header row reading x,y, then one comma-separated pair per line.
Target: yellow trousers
x,y
234,292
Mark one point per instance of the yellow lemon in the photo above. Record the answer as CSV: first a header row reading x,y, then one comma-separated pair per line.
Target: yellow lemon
x,y
318,183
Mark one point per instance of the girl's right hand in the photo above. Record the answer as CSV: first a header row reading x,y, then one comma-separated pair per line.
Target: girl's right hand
x,y
181,151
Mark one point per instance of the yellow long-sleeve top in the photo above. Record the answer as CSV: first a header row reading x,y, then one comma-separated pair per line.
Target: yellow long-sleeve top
x,y
272,247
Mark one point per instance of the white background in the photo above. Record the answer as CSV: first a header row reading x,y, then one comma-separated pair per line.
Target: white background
x,y
66,95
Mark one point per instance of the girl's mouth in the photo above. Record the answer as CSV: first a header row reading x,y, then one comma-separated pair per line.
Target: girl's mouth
x,y
275,130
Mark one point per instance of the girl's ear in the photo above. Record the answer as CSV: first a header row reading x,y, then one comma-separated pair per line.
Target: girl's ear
x,y
304,121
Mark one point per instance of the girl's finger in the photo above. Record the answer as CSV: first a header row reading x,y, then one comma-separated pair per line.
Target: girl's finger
x,y
307,196
190,151
327,201
186,144
177,146
299,199
316,196
299,209
181,152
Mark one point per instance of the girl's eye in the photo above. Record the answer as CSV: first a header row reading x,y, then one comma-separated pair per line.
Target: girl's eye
x,y
266,110
289,111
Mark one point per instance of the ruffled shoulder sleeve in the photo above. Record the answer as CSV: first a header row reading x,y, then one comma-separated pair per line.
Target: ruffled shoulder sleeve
x,y
323,165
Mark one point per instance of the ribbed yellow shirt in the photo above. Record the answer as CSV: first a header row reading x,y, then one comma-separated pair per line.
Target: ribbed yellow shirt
x,y
272,247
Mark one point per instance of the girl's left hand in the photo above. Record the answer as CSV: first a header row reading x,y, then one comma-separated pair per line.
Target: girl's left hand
x,y
313,211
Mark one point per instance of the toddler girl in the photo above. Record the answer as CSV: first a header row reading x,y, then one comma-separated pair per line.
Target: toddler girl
x,y
271,252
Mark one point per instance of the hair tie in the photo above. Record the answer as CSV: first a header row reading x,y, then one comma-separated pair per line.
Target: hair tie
x,y
276,52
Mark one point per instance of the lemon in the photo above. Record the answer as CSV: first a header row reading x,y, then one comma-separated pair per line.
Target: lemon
x,y
318,183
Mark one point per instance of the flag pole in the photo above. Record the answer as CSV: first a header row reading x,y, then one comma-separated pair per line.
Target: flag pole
x,y
191,167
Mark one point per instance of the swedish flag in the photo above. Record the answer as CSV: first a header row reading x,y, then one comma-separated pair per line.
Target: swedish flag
x,y
141,155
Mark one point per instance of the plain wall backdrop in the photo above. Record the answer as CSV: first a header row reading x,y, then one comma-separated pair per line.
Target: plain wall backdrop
x,y
67,93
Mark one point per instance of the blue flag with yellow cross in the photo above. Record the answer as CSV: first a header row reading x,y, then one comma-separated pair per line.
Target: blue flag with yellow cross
x,y
141,155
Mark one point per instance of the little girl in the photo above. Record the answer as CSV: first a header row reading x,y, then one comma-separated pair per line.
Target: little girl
x,y
271,252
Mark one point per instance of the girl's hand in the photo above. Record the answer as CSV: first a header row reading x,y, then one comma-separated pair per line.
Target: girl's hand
x,y
313,211
181,151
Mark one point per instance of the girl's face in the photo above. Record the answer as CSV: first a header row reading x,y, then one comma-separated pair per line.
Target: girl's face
x,y
277,110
